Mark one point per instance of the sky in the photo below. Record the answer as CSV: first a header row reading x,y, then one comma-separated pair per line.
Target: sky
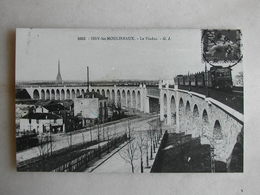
x,y
147,57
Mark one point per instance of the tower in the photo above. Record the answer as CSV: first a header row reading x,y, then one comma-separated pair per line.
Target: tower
x,y
58,78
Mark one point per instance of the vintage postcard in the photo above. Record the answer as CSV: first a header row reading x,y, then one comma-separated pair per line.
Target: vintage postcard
x,y
129,100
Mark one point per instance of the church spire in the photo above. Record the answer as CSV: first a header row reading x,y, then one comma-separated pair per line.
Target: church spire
x,y
59,67
58,78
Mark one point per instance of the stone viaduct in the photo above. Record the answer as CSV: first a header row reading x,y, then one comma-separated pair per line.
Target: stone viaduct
x,y
182,111
135,97
192,113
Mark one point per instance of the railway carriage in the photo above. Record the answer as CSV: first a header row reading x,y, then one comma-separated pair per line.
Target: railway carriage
x,y
217,77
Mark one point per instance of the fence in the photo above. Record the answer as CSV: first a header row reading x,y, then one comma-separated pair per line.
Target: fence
x,y
81,163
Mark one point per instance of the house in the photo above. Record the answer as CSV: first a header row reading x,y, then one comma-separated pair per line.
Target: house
x,y
41,123
20,111
41,109
91,105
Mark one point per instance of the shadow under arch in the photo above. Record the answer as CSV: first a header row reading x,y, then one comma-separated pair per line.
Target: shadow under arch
x,y
173,110
36,94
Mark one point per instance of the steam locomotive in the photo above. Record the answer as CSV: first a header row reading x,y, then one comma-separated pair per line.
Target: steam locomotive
x,y
218,77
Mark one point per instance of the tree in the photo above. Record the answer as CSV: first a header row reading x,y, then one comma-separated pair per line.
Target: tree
x,y
129,129
128,153
141,146
108,140
147,151
117,110
43,147
150,133
46,145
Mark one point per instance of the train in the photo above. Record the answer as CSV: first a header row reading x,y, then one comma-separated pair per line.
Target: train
x,y
218,77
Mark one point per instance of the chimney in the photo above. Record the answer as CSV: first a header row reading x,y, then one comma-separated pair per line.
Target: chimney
x,y
88,77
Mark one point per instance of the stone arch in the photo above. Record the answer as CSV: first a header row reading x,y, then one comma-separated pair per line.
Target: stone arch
x,y
181,115
103,92
57,94
73,94
42,94
36,94
138,100
195,111
217,131
98,91
173,110
118,97
204,133
187,120
165,107
87,90
82,92
47,94
128,98
68,94
113,95
92,90
205,118
187,108
123,98
77,93
52,94
134,99
62,94
196,122
181,104
108,94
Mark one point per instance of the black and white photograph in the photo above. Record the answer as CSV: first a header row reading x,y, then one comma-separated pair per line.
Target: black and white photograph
x,y
129,101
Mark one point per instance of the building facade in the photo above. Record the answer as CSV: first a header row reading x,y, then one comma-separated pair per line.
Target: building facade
x,y
37,122
91,105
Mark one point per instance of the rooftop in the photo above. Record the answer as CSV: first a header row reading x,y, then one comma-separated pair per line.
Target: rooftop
x,y
41,116
22,94
54,107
